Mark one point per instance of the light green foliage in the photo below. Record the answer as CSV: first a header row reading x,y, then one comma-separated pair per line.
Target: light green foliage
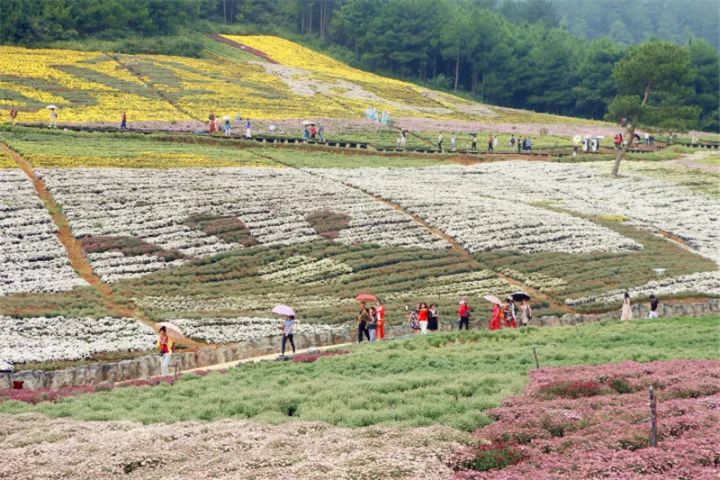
x,y
450,379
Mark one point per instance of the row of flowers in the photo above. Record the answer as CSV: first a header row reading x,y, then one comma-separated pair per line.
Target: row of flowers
x,y
42,339
273,203
470,207
31,256
244,329
304,270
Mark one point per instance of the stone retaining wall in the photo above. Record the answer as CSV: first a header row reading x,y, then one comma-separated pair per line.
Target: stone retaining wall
x,y
149,366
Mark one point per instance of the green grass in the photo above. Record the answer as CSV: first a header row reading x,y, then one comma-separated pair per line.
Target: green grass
x,y
449,379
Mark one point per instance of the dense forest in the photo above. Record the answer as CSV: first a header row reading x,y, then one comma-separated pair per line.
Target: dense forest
x,y
546,55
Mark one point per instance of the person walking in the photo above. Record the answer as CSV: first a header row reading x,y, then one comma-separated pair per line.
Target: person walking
x,y
380,333
509,313
654,302
13,115
403,139
288,329
413,317
362,323
211,123
525,313
490,143
53,118
372,324
498,315
453,143
423,318
321,133
440,142
166,347
227,127
123,121
473,142
512,142
626,311
248,129
434,319
464,315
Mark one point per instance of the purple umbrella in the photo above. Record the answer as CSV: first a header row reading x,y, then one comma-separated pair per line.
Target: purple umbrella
x,y
283,310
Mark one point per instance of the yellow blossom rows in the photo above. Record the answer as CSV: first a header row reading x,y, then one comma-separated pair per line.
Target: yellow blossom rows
x,y
6,161
145,160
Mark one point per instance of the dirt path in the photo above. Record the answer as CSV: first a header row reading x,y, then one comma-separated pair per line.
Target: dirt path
x,y
74,249
698,161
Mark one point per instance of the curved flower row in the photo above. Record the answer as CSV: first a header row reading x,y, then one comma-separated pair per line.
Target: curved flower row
x,y
31,257
41,339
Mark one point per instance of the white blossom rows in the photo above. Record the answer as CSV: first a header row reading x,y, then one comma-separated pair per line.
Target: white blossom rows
x,y
240,329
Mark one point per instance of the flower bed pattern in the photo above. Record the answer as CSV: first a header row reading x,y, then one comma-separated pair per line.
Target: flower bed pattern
x,y
593,422
31,256
41,339
155,206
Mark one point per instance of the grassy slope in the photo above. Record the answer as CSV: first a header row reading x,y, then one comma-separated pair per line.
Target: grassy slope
x,y
449,379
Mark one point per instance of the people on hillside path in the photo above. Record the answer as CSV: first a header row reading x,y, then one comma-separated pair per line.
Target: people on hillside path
x,y
497,317
464,315
512,142
509,313
525,313
211,123
453,143
434,319
626,311
53,118
618,141
495,142
123,121
440,142
490,143
227,127
13,115
321,133
248,129
372,324
654,302
473,142
380,333
413,317
288,329
166,347
362,323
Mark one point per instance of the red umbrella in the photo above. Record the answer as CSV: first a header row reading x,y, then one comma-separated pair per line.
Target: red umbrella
x,y
366,297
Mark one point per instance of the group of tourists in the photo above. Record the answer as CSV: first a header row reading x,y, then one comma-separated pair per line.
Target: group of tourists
x,y
626,312
215,125
506,314
370,322
313,132
522,144
424,318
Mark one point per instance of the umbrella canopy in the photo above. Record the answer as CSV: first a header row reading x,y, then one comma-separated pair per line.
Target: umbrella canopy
x,y
52,107
493,299
226,118
172,330
520,296
366,297
283,310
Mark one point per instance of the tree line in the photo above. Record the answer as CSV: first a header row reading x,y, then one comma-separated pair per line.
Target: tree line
x,y
528,54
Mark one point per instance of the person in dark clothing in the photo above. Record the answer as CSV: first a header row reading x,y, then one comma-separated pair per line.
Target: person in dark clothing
x,y
433,321
464,315
473,146
362,321
654,302
288,329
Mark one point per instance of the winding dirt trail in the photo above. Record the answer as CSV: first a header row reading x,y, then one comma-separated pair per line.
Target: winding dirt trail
x,y
76,254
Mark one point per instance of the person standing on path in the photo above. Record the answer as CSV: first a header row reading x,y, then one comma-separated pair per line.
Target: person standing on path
x,y
473,142
362,323
288,330
434,320
166,347
654,302
13,115
211,123
372,324
453,143
498,315
626,312
123,121
381,321
509,313
464,315
512,142
53,118
227,128
423,317
490,143
440,142
248,129
525,313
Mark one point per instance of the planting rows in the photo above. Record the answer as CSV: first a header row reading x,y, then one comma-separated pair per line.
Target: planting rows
x,y
41,339
199,212
31,256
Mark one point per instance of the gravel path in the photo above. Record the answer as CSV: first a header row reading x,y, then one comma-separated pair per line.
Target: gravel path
x,y
35,447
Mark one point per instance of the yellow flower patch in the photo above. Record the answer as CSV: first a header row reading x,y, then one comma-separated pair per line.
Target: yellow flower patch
x,y
145,160
6,161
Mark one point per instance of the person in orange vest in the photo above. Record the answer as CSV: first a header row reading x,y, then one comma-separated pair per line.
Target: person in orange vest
x,y
380,333
166,347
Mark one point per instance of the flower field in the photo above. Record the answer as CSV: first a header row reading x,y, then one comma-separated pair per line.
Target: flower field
x,y
593,422
43,339
31,257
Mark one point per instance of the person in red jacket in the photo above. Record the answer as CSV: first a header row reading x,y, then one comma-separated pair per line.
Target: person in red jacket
x,y
380,333
423,317
166,347
464,315
497,317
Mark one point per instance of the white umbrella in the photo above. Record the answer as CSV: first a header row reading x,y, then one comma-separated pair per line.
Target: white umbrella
x,y
283,310
172,330
52,107
493,299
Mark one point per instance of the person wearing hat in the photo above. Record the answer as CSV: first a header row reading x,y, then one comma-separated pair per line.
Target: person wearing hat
x,y
464,314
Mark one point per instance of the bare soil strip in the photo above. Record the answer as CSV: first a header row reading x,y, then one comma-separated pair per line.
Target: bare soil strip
x,y
73,246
